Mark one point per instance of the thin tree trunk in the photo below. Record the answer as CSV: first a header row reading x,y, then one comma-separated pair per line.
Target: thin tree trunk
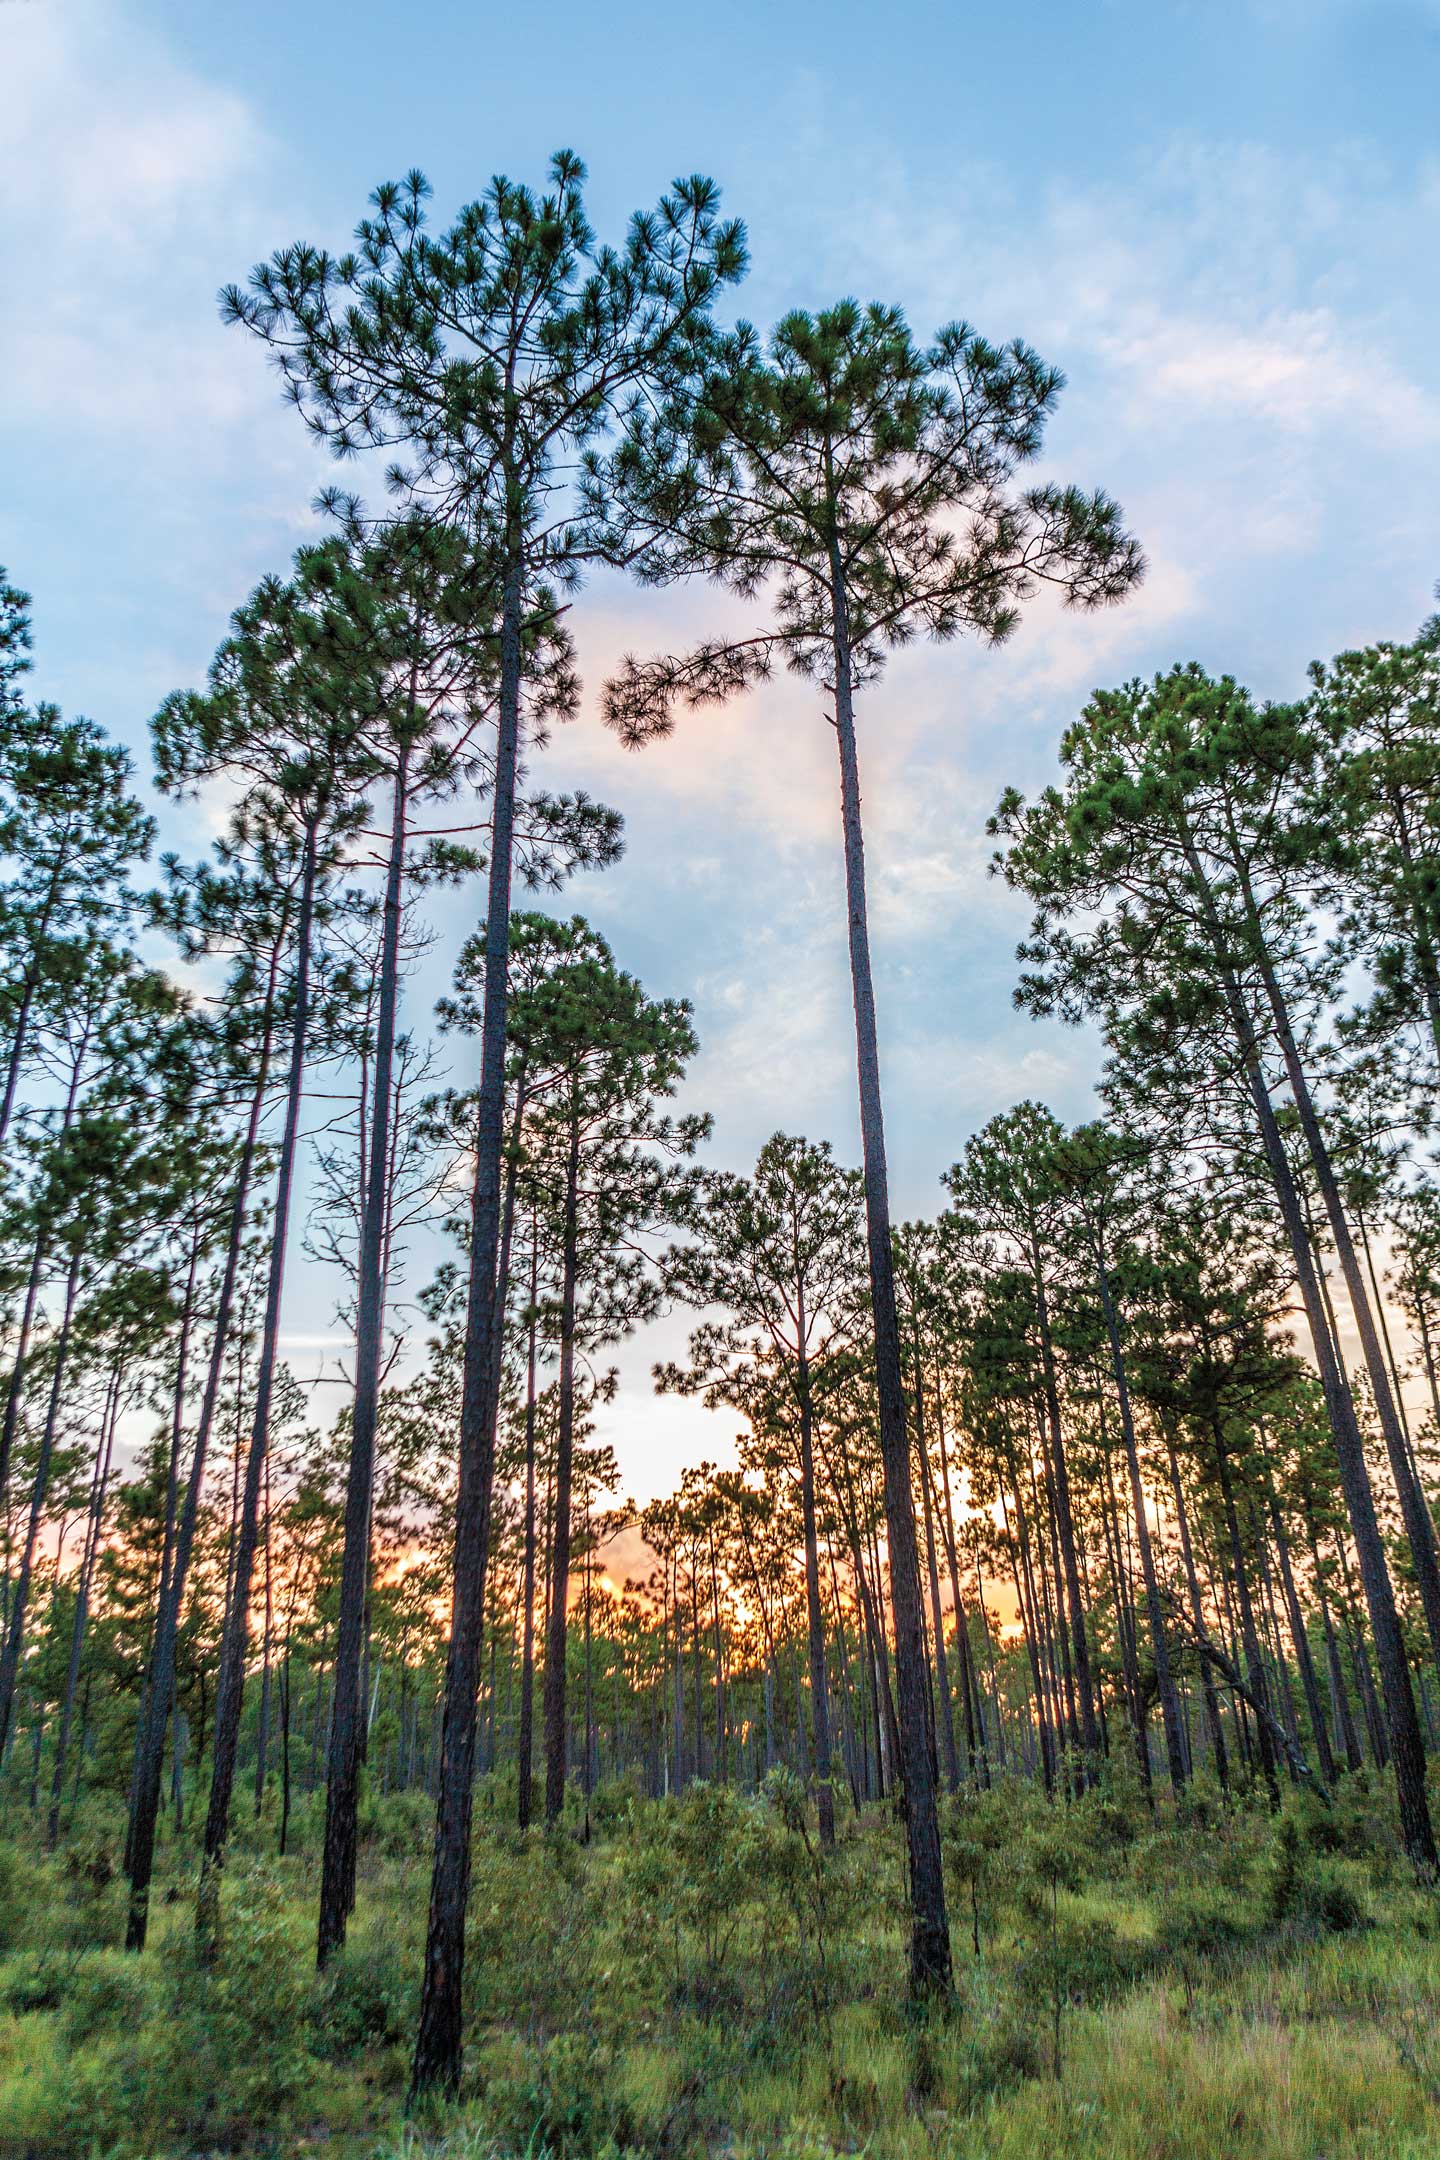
x,y
930,1933
962,1632
555,1654
1407,1748
150,1766
526,1747
342,1790
1255,1670
236,1633
819,1694
1197,1614
15,1633
34,975
1065,1522
1169,1705
1419,1528
83,1583
1299,1635
942,1663
15,1391
439,2041
1025,1595
262,1735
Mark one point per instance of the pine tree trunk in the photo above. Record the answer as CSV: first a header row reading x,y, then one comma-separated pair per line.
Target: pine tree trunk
x,y
1301,1639
262,1734
721,1734
1406,1745
236,1633
526,1746
1165,1680
843,1672
1057,1635
1197,1615
15,1391
172,1513
439,2045
976,1763
34,974
16,1057
347,1710
285,1714
992,1674
15,1633
155,1702
1025,1579
937,1616
587,1783
1065,1523
1254,1669
930,1934
1339,1693
679,1684
1419,1527
819,1693
83,1583
555,1646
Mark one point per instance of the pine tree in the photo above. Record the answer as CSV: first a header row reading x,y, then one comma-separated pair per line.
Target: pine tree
x,y
782,1252
833,471
73,832
493,354
1172,825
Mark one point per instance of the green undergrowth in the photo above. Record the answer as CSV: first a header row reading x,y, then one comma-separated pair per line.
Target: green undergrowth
x,y
699,1980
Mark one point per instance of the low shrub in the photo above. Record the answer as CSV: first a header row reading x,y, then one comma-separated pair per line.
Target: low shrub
x,y
367,1997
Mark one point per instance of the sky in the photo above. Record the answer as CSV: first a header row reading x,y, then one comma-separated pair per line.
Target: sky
x,y
1218,217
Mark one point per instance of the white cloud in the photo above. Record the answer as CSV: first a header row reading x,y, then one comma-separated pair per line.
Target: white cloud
x,y
1248,344
134,188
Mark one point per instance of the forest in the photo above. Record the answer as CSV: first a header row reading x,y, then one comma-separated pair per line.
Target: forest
x,y
1025,1746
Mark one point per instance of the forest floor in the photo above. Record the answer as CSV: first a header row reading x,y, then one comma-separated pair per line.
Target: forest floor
x,y
698,1980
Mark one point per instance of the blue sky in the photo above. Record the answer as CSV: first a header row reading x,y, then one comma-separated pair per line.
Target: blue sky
x,y
1220,220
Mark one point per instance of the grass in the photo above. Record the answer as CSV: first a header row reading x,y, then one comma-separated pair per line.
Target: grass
x,y
694,1987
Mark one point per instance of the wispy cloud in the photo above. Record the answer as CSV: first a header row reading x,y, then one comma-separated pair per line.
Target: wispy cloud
x,y
1248,337
134,187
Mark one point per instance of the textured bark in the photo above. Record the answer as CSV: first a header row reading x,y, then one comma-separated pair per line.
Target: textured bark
x,y
262,1732
1165,1679
1299,1635
930,1934
1064,1517
1419,1527
83,1583
15,1633
1255,1670
1339,1692
1407,1748
1197,1616
439,2044
555,1647
236,1634
977,1762
815,1613
347,1711
15,1390
942,1663
526,1744
1025,1593
33,976
1125,1624
160,1684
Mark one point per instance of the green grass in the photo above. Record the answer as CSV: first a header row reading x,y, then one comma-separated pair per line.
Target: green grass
x,y
695,1986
